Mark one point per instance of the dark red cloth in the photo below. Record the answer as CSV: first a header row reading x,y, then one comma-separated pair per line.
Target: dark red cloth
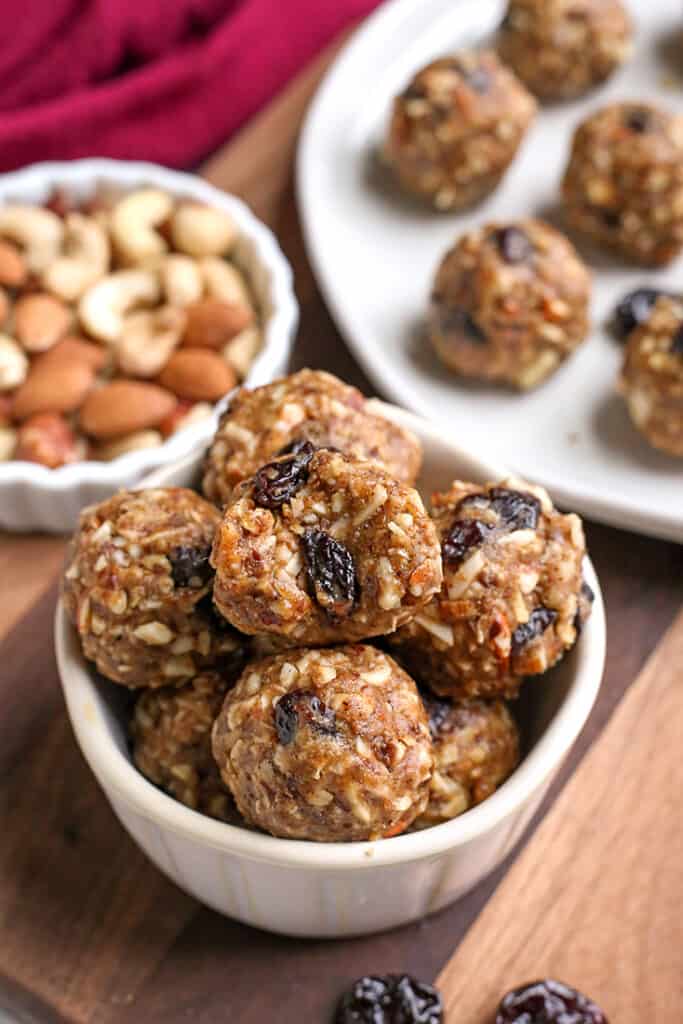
x,y
162,80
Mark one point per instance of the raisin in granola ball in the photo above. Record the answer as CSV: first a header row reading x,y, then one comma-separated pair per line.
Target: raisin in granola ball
x,y
652,376
623,186
326,744
321,548
308,406
137,587
171,737
510,596
563,48
509,303
456,128
476,748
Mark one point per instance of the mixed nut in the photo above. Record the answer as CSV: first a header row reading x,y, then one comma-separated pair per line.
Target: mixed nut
x,y
123,318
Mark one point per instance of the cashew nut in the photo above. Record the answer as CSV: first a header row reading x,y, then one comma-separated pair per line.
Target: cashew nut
x,y
38,231
133,221
103,306
181,280
241,350
202,230
13,364
8,443
224,281
148,339
135,442
84,259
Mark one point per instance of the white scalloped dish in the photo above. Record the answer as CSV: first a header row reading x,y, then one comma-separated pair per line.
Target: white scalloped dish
x,y
33,497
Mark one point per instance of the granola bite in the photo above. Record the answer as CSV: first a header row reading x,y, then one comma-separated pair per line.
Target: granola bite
x,y
509,303
318,547
623,186
456,128
137,587
563,48
651,378
309,406
510,605
171,737
330,745
476,748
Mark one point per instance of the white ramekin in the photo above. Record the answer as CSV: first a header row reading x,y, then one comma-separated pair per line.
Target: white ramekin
x,y
335,889
33,497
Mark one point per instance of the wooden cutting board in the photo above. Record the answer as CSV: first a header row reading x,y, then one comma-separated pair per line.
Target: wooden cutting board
x,y
595,899
91,932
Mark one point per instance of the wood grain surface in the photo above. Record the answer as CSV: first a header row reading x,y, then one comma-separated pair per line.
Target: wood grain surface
x,y
92,932
595,898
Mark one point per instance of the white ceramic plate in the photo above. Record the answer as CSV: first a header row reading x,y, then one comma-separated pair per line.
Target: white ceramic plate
x,y
375,254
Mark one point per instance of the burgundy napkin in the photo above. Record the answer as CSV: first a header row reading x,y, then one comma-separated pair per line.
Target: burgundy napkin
x,y
162,80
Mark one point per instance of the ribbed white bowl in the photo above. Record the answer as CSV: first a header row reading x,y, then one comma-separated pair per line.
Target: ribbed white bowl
x,y
35,498
335,889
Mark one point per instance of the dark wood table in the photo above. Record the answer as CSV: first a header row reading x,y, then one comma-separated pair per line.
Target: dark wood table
x,y
90,930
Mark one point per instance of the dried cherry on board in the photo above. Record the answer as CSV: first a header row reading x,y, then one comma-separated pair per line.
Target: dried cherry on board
x,y
392,999
548,1002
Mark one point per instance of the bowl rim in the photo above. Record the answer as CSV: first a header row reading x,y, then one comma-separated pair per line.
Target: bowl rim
x,y
278,332
118,776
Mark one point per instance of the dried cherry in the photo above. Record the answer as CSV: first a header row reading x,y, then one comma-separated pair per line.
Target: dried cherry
x,y
393,999
634,309
461,321
677,342
463,536
638,120
190,566
518,510
331,573
548,1002
514,244
278,481
302,705
437,710
537,623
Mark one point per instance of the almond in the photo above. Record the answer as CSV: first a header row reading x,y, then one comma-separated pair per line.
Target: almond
x,y
212,323
53,388
75,350
6,410
13,267
40,320
197,374
49,440
123,407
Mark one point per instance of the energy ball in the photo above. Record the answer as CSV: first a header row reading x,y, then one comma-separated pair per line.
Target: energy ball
x,y
310,406
509,303
509,604
456,129
623,186
171,737
137,587
321,548
330,745
563,48
652,376
476,748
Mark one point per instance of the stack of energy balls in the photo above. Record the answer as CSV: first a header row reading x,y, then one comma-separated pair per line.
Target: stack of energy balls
x,y
510,301
314,654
